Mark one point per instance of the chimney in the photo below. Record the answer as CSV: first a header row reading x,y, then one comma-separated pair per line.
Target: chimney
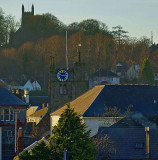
x,y
17,91
13,91
20,146
43,105
26,95
147,142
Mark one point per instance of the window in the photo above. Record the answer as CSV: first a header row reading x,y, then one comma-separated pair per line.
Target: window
x,y
11,115
7,114
2,114
63,89
9,133
7,117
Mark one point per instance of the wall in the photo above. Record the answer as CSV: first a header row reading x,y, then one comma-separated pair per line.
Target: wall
x,y
53,121
99,80
30,111
93,123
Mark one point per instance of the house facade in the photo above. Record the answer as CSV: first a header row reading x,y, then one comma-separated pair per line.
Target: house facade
x,y
104,76
10,106
133,72
32,86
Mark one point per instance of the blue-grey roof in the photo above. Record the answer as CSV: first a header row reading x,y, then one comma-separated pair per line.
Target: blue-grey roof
x,y
105,73
144,99
38,100
7,98
125,140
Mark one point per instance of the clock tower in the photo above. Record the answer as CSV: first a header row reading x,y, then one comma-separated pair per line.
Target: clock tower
x,y
60,86
66,85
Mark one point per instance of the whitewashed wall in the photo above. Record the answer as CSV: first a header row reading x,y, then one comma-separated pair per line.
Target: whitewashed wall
x,y
98,81
92,123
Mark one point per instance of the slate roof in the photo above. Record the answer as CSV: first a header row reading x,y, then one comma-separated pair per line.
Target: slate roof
x,y
144,99
82,103
38,100
7,98
105,73
125,140
127,122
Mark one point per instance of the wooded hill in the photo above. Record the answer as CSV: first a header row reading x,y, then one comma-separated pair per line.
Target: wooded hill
x,y
100,48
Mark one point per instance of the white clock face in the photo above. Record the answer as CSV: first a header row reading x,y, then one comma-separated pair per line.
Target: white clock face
x,y
62,75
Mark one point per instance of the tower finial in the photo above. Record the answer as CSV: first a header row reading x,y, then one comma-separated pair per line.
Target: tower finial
x,y
52,63
79,54
23,9
32,9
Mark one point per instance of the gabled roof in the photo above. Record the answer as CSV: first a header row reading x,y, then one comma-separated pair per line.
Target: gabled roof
x,y
127,122
82,103
40,112
7,98
144,99
38,100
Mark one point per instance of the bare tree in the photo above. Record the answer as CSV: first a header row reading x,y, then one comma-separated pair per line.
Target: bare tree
x,y
104,145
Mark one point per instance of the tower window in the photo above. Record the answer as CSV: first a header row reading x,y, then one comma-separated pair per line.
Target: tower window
x,y
63,89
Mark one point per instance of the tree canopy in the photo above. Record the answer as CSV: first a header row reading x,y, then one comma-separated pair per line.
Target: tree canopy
x,y
39,152
146,74
70,133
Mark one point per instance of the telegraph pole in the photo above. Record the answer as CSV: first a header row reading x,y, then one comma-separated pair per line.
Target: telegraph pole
x,y
15,132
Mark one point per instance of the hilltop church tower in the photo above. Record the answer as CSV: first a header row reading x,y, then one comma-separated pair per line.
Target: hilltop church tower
x,y
25,14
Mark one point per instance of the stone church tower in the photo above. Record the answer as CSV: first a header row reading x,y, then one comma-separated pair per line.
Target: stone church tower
x,y
25,14
63,92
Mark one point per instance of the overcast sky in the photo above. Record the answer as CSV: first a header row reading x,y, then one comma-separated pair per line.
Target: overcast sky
x,y
138,17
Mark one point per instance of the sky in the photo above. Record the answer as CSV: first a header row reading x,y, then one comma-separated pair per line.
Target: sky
x,y
138,17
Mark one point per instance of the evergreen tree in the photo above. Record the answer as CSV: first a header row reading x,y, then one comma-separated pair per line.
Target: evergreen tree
x,y
146,74
25,156
40,152
71,134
